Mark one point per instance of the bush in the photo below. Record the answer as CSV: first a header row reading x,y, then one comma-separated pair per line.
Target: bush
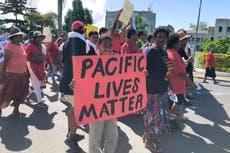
x,y
222,61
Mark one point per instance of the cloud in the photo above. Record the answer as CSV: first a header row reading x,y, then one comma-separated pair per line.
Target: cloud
x,y
98,9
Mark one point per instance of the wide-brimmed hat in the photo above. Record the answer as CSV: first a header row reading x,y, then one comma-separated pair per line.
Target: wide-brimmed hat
x,y
77,24
15,31
38,34
182,35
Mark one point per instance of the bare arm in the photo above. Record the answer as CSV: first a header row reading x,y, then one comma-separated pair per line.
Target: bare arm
x,y
7,56
116,20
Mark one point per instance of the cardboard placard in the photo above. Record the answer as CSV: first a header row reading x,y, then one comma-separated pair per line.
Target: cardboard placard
x,y
127,12
91,28
108,87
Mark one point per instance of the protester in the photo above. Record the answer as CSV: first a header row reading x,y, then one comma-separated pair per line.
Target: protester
x,y
14,76
156,114
53,51
185,53
92,43
106,128
141,39
74,46
103,31
36,58
150,44
130,46
118,38
210,65
178,77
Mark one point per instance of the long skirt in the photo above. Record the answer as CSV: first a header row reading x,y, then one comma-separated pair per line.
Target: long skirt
x,y
156,115
16,88
210,72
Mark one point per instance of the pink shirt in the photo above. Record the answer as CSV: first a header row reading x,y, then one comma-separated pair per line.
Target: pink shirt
x,y
177,83
17,61
116,42
129,47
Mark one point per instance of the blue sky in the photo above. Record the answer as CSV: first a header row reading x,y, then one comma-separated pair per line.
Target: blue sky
x,y
180,13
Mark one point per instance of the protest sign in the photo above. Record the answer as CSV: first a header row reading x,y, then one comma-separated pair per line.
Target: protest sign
x,y
91,28
127,12
3,42
108,87
47,33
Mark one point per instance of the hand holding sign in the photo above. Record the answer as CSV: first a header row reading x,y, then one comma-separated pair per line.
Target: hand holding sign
x,y
127,12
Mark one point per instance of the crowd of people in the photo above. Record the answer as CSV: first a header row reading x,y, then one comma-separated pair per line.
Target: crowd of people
x,y
29,62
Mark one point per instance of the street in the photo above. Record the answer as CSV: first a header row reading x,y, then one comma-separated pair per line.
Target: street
x,y
44,131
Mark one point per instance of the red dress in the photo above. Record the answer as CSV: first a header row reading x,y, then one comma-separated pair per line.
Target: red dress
x,y
37,68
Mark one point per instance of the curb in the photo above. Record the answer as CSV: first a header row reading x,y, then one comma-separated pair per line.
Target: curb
x,y
224,74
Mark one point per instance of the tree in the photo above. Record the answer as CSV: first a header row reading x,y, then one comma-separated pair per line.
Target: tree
x,y
140,25
202,26
36,21
16,7
222,45
77,13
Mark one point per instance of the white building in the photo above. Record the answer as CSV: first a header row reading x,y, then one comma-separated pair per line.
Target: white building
x,y
222,28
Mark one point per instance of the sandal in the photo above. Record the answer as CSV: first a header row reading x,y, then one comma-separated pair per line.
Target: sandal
x,y
153,147
42,105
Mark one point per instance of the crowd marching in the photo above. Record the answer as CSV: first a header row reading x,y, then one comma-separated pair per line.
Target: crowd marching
x,y
28,61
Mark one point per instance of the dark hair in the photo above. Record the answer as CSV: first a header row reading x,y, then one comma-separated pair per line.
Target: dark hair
x,y
92,33
131,32
103,30
149,37
140,33
161,30
173,39
104,38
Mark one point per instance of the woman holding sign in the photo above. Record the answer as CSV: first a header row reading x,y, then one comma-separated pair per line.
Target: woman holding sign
x,y
107,128
156,114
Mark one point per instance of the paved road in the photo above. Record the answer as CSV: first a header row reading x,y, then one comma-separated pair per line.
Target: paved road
x,y
208,130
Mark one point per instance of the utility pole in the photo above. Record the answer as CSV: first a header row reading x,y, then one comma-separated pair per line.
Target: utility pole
x,y
60,16
197,27
195,41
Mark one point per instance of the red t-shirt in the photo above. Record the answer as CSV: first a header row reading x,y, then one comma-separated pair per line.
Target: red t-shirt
x,y
116,42
53,50
210,60
129,47
177,83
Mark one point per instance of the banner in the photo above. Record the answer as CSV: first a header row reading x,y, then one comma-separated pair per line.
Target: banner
x,y
3,42
127,12
108,87
91,28
47,33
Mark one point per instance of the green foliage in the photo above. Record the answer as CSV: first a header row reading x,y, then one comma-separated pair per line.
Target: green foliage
x,y
36,21
202,26
77,13
16,7
221,45
140,25
222,61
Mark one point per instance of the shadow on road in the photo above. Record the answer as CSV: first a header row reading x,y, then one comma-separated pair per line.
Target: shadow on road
x,y
13,133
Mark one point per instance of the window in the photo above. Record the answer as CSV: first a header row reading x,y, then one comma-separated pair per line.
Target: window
x,y
220,29
212,38
228,29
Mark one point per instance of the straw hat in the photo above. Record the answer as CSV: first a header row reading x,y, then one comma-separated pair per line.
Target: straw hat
x,y
182,35
15,31
38,34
